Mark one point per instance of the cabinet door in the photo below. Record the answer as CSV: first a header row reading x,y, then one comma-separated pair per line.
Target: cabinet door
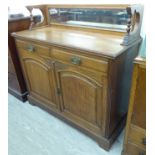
x,y
81,96
39,74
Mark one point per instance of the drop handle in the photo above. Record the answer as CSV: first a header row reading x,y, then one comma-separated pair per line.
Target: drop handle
x,y
30,48
75,60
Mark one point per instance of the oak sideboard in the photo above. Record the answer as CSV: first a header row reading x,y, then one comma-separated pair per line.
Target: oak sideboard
x,y
78,64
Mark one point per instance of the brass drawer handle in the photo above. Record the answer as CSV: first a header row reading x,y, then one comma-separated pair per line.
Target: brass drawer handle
x,y
75,60
144,141
30,48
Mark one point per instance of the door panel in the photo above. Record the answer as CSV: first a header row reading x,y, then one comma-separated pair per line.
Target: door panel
x,y
81,96
39,75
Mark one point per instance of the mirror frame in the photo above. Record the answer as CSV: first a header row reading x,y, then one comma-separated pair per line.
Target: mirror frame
x,y
87,26
81,6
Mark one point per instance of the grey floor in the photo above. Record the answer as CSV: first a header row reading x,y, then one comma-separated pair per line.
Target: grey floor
x,y
33,131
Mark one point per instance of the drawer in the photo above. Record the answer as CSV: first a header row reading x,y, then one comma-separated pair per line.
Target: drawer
x,y
33,48
137,135
132,149
79,60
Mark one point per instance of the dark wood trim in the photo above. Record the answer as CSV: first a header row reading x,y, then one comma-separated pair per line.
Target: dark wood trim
x,y
20,96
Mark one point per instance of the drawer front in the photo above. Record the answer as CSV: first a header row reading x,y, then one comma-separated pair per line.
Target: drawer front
x,y
33,48
132,149
79,60
138,136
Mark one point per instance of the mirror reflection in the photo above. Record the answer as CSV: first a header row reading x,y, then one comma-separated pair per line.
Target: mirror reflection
x,y
101,18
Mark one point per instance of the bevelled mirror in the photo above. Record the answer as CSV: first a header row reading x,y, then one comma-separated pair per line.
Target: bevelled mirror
x,y
89,17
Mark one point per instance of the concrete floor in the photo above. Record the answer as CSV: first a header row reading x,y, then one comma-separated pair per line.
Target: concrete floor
x,y
33,131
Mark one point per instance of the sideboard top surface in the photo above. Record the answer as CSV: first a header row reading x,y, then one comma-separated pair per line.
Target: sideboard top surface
x,y
106,45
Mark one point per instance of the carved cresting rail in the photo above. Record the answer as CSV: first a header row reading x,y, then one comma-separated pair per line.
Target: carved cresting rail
x,y
134,24
34,23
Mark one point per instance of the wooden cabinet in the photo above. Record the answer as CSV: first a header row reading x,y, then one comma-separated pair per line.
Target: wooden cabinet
x,y
16,82
135,136
81,75
65,83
